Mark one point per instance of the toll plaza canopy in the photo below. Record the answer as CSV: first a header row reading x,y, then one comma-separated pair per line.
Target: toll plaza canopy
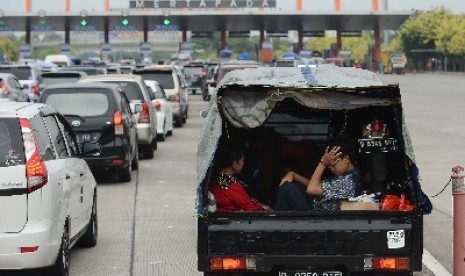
x,y
198,20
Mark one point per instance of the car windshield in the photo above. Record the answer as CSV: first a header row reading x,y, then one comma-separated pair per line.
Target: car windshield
x,y
85,103
49,80
11,148
21,73
164,78
193,70
131,89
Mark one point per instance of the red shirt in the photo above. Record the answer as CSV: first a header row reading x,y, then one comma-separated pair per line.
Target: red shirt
x,y
234,198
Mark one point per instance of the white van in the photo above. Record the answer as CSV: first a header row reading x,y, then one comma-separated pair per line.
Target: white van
x,y
60,60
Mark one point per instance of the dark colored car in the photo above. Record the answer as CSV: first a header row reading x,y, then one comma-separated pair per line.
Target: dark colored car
x,y
195,75
99,112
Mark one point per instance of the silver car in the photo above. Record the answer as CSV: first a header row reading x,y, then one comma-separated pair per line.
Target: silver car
x,y
11,89
136,91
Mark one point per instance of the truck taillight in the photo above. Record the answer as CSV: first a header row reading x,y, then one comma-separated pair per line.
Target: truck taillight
x,y
232,263
118,122
144,116
36,172
156,105
387,263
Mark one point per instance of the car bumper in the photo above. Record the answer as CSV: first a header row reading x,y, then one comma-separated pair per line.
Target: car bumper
x,y
37,233
106,163
144,134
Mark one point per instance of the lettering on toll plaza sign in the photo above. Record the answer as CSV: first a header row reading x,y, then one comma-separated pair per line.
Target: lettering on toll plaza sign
x,y
181,4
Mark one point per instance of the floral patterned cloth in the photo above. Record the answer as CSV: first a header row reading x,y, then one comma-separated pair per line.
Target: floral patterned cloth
x,y
338,189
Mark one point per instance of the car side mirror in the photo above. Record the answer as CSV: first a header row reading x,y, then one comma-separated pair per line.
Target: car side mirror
x,y
138,108
213,84
91,148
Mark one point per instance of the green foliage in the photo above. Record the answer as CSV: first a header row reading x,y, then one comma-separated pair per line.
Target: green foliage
x,y
451,35
421,30
321,43
280,46
357,45
9,48
42,53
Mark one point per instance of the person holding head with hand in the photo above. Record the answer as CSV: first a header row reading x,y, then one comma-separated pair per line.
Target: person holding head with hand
x,y
299,193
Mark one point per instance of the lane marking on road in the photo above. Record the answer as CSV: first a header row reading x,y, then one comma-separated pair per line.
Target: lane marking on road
x,y
434,265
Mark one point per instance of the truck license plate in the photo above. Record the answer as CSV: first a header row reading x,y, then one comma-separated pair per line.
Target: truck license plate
x,y
378,145
309,273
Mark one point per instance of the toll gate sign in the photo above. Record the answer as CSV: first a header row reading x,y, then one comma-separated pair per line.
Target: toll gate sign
x,y
192,4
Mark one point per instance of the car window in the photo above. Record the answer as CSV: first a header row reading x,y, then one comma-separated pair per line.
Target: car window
x,y
11,146
164,78
70,142
159,93
16,83
49,80
43,138
22,72
125,107
83,103
193,70
131,89
57,137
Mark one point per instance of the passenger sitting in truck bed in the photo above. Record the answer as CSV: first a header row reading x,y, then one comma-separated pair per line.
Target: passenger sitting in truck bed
x,y
230,194
299,193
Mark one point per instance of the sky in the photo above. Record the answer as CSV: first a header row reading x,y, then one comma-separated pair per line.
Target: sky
x,y
456,6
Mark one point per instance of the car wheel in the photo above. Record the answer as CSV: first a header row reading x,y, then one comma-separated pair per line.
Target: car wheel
x,y
62,263
135,161
125,174
162,137
148,151
89,239
155,143
178,121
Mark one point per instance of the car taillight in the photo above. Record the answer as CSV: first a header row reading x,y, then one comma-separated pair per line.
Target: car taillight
x,y
144,116
178,98
156,105
36,172
118,122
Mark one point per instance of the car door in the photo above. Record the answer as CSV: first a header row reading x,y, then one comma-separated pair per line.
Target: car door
x,y
71,170
85,178
130,122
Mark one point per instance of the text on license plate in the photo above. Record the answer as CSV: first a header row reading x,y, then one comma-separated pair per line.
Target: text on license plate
x,y
309,273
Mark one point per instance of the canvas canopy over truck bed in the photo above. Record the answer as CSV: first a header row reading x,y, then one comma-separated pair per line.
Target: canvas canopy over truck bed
x,y
272,110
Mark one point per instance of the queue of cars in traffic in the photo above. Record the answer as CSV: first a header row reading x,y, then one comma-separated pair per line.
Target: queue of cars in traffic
x,y
55,141
62,128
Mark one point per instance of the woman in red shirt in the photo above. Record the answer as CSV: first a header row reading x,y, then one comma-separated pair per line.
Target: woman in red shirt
x,y
230,194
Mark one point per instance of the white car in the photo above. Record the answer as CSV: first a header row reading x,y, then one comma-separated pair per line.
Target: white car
x,y
163,108
47,192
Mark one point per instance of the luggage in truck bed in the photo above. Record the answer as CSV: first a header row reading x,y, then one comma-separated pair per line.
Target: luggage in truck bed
x,y
285,118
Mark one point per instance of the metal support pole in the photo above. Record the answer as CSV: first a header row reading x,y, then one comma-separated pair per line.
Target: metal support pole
x,y
377,37
106,29
145,25
458,193
67,30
